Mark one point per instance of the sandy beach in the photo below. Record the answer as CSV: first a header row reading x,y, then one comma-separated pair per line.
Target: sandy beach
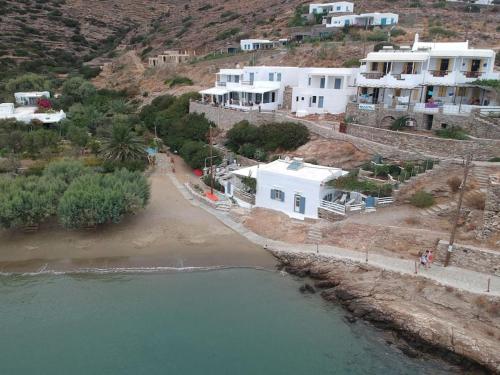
x,y
170,232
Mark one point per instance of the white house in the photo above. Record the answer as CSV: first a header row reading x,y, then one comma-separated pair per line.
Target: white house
x,y
323,90
264,88
27,114
30,98
476,2
291,186
361,20
428,77
261,44
338,7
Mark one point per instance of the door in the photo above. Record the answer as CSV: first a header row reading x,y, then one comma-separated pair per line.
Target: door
x,y
252,76
387,67
444,65
428,93
475,65
383,21
321,100
299,204
322,83
376,91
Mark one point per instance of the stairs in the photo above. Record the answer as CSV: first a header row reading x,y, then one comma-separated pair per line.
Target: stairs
x,y
438,209
223,205
314,235
481,175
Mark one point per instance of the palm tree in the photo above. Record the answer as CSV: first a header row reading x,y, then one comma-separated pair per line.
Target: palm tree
x,y
123,145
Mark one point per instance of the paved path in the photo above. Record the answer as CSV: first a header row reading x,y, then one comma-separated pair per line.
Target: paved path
x,y
471,281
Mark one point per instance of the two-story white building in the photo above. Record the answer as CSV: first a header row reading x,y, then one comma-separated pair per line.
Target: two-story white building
x,y
428,77
291,186
267,88
361,20
337,7
323,90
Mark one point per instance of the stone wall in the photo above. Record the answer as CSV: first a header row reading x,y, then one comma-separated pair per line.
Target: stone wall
x,y
470,257
491,221
381,117
482,149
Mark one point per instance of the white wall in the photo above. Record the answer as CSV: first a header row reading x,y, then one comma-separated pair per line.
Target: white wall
x,y
338,7
290,186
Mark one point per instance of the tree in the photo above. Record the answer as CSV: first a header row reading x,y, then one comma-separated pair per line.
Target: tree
x,y
78,136
28,82
123,145
196,153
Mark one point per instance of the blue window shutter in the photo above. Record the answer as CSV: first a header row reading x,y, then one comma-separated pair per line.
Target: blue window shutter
x,y
272,193
282,196
302,207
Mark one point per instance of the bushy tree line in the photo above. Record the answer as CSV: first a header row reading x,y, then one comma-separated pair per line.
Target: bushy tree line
x,y
78,195
184,132
255,141
16,138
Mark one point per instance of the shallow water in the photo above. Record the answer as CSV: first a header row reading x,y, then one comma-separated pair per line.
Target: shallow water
x,y
236,321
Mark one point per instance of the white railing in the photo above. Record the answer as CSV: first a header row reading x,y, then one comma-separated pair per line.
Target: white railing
x,y
489,110
356,207
385,200
333,207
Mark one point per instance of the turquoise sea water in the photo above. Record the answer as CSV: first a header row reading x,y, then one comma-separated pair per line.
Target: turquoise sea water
x,y
219,322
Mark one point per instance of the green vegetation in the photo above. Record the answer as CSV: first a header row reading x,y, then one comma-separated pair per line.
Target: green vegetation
x,y
400,123
489,83
208,180
422,199
77,195
352,183
351,63
227,33
376,36
495,160
255,142
440,4
453,132
440,31
178,81
298,19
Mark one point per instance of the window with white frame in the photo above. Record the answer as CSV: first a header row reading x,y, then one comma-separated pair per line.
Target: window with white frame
x,y
278,77
337,84
271,76
321,100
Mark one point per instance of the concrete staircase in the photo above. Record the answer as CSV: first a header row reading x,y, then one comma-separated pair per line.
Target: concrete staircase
x,y
224,205
314,235
438,209
481,174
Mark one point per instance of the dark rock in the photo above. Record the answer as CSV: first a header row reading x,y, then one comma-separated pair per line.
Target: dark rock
x,y
350,318
306,288
326,284
297,271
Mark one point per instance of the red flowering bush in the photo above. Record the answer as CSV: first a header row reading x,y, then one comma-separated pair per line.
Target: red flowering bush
x,y
44,103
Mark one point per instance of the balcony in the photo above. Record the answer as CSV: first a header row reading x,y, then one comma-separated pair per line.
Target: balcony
x,y
470,74
221,84
373,75
439,73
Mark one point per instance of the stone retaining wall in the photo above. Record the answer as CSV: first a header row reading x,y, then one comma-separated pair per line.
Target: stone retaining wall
x,y
482,149
470,257
491,222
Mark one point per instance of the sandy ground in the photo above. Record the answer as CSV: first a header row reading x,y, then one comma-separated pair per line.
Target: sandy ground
x,y
170,232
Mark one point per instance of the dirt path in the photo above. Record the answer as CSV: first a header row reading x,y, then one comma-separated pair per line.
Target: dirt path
x,y
170,232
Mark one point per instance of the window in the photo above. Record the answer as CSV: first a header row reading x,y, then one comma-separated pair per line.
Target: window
x,y
296,98
442,91
236,79
461,91
338,83
277,195
271,76
338,8
266,97
309,81
374,66
273,97
314,99
320,101
322,83
278,77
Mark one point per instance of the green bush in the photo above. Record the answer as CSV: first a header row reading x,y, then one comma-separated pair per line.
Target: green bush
x,y
351,63
178,81
495,160
207,180
227,33
453,132
440,31
422,199
351,183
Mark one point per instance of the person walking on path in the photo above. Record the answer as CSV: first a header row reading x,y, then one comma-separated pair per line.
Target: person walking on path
x,y
430,258
423,259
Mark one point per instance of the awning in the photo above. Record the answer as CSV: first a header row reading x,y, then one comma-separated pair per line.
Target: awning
x,y
395,56
247,172
214,91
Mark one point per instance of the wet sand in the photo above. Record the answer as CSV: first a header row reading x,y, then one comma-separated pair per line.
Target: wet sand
x,y
170,232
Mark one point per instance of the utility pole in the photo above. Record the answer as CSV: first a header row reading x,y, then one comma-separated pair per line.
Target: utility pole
x,y
468,162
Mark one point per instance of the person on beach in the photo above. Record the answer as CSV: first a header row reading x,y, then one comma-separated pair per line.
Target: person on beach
x,y
423,260
430,258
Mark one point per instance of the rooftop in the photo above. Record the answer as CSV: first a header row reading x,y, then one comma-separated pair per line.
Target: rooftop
x,y
294,168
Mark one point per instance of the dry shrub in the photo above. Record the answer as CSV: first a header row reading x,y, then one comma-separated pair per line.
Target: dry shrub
x,y
477,201
454,183
494,309
481,301
490,332
413,220
449,289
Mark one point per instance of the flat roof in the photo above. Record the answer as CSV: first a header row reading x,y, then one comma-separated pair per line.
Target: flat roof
x,y
306,171
396,55
214,91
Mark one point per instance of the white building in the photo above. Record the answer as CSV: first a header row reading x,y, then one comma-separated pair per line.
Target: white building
x,y
261,44
265,88
361,20
323,90
428,77
27,114
291,186
169,57
30,98
338,7
476,2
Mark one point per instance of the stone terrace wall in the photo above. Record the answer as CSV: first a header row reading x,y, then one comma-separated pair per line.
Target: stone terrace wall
x,y
483,149
470,257
492,207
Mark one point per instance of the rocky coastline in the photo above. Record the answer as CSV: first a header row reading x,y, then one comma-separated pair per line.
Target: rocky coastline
x,y
420,317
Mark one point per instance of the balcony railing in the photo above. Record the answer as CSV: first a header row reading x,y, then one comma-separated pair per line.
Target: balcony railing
x,y
439,73
470,74
221,84
373,75
250,83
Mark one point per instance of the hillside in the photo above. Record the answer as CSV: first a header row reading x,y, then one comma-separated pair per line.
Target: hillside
x,y
58,35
